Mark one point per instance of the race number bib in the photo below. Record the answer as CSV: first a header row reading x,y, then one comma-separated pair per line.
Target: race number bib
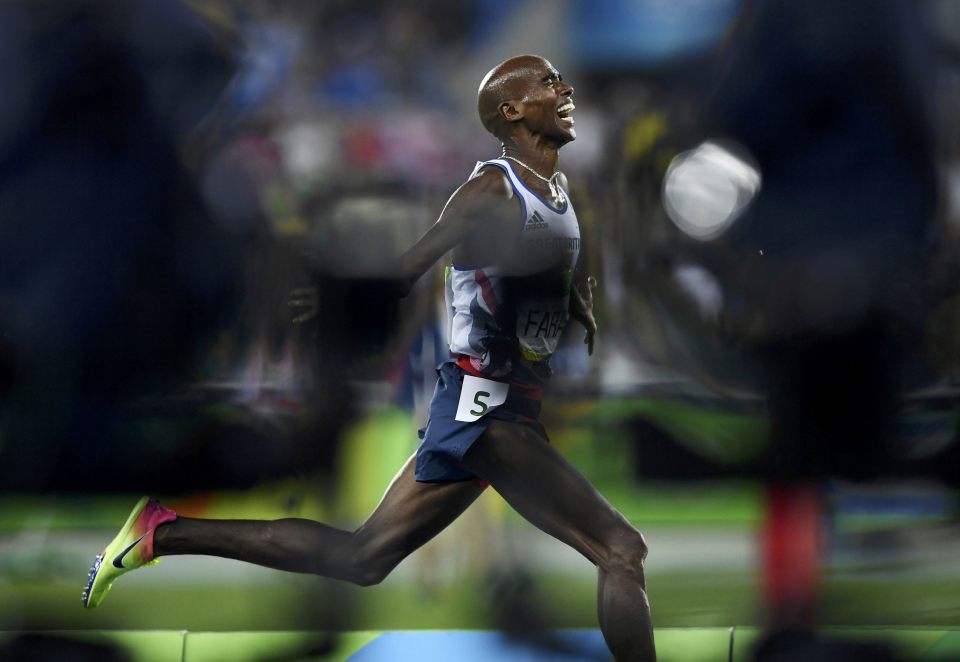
x,y
479,397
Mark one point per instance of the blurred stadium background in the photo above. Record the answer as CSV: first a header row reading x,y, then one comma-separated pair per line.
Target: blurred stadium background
x,y
170,172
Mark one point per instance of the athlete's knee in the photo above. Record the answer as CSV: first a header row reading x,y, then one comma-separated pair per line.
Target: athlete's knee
x,y
369,567
626,554
369,574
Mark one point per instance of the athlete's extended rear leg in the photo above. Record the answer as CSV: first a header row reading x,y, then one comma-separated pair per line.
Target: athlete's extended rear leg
x,y
550,493
409,515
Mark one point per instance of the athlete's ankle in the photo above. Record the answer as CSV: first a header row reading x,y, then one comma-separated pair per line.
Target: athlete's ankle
x,y
161,537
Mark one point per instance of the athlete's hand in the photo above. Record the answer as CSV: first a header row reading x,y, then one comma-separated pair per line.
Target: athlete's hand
x,y
306,300
581,309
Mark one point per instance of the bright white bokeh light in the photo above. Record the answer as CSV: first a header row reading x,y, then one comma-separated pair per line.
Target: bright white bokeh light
x,y
706,189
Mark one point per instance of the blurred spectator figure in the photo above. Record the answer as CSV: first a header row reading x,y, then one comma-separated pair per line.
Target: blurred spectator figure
x,y
822,277
836,107
113,276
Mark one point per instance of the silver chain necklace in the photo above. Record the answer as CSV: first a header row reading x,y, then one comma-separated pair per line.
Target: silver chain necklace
x,y
555,189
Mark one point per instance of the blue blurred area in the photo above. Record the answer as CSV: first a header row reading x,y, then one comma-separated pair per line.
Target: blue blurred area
x,y
562,646
626,34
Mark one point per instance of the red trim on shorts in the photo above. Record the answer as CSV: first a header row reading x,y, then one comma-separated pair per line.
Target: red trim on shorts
x,y
528,391
464,362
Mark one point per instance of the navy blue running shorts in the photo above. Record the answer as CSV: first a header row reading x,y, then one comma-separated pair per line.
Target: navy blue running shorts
x,y
445,440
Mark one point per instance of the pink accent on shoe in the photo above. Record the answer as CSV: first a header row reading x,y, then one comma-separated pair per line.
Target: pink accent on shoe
x,y
153,515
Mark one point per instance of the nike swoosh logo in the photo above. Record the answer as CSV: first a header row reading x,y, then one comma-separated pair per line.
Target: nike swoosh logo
x,y
118,560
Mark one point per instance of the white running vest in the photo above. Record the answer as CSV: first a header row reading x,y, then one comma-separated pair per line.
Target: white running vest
x,y
529,290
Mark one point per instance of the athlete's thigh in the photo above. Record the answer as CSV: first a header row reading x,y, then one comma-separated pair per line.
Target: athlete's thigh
x,y
411,513
546,489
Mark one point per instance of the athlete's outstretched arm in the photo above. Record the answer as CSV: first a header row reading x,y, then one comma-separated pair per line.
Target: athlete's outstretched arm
x,y
482,198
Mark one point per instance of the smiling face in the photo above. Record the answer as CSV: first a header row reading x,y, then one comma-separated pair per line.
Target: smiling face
x,y
528,90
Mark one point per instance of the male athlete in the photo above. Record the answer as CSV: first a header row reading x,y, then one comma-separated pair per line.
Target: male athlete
x,y
514,242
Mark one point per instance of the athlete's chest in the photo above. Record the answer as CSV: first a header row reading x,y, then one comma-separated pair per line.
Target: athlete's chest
x,y
538,239
549,238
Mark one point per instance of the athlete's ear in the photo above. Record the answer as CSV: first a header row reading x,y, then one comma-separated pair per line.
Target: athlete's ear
x,y
510,111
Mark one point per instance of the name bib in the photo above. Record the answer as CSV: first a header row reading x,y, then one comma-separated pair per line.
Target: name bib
x,y
479,397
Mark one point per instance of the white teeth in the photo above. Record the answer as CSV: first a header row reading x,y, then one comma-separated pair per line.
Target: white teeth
x,y
566,108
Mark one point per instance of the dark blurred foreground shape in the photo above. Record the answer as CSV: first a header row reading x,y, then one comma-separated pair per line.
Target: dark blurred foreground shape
x,y
802,646
139,268
826,276
114,274
827,270
835,102
40,647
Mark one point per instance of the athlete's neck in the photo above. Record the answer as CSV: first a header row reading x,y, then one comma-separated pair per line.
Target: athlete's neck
x,y
543,162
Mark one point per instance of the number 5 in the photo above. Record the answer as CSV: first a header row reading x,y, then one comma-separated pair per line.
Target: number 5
x,y
483,405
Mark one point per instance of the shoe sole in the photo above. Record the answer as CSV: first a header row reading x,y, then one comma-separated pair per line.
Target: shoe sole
x,y
115,546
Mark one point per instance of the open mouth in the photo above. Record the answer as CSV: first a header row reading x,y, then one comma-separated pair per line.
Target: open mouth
x,y
564,113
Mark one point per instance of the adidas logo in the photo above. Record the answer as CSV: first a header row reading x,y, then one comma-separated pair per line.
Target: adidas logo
x,y
536,222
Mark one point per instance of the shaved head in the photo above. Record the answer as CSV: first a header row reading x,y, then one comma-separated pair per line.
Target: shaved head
x,y
505,82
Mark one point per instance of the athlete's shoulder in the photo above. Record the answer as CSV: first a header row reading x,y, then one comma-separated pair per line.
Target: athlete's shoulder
x,y
487,186
490,179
